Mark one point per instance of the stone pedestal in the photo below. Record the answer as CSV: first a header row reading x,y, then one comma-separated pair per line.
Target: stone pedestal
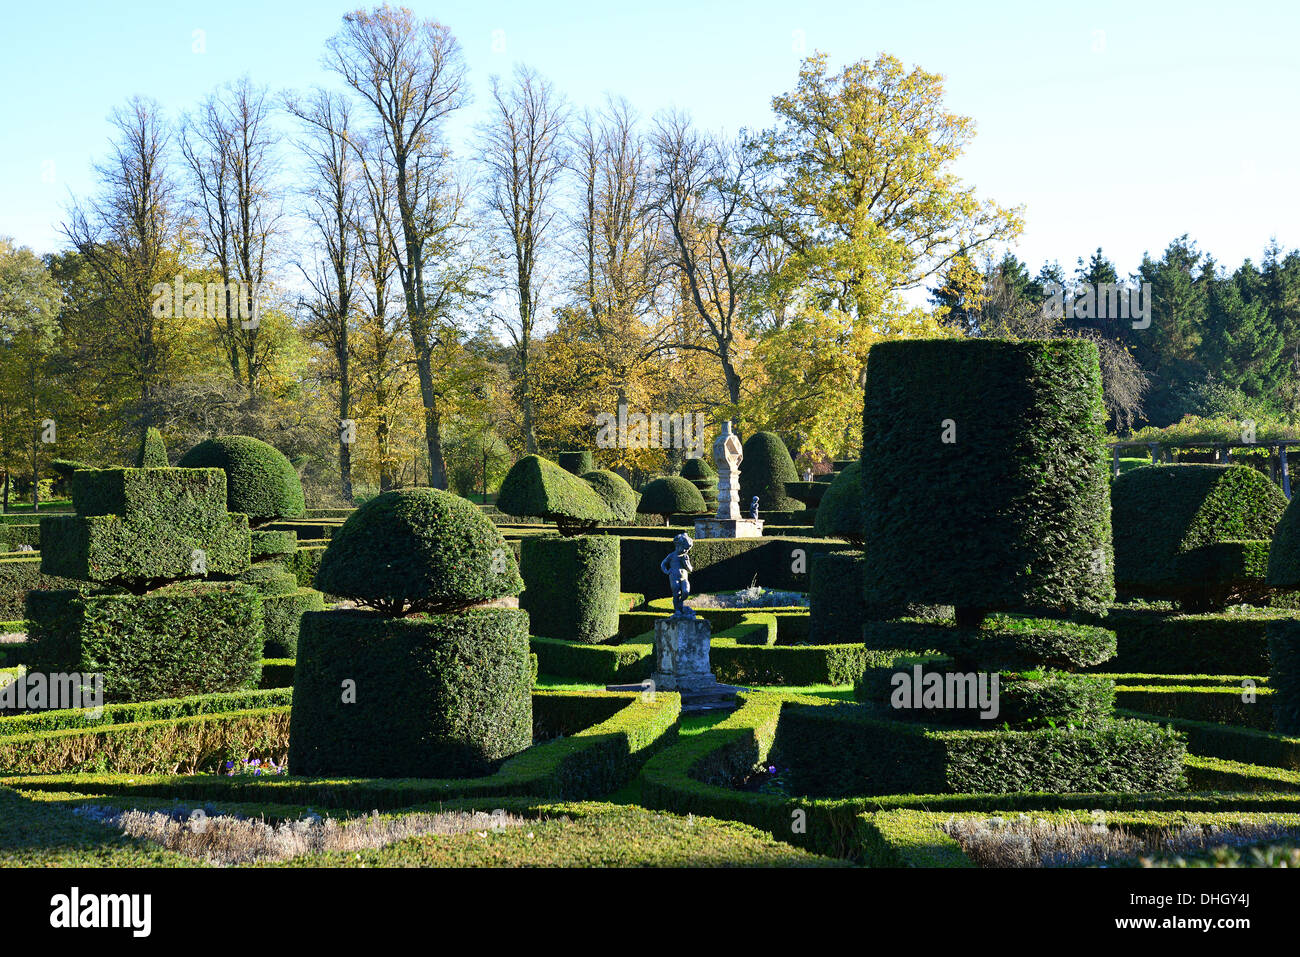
x,y
728,528
681,664
727,523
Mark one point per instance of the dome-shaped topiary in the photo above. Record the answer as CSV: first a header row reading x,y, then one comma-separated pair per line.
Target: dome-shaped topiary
x,y
698,469
669,496
152,453
613,488
765,467
260,480
418,549
839,515
537,486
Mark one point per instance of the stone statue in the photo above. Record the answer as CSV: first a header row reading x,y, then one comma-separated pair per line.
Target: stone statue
x,y
677,566
753,507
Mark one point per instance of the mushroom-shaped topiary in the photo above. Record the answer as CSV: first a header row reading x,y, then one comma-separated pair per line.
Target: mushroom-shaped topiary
x,y
840,513
418,550
537,486
617,494
260,480
152,453
670,496
764,470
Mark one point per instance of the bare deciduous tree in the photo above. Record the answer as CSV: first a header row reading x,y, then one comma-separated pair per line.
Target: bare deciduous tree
x,y
229,146
698,192
525,153
411,74
333,207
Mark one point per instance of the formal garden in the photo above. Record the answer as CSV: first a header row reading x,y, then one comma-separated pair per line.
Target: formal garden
x,y
970,647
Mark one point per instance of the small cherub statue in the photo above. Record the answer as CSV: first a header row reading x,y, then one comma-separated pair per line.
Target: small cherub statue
x,y
676,566
753,508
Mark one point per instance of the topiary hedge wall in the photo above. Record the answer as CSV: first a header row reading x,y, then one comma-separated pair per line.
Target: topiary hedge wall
x,y
984,482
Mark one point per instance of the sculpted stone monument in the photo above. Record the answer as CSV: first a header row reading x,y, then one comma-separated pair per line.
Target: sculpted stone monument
x,y
681,661
728,523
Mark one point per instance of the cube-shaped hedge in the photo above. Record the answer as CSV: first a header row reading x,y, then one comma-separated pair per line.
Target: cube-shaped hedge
x,y
188,638
983,475
426,696
137,549
151,495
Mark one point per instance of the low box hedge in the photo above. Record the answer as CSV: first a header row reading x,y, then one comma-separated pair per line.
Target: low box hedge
x,y
162,709
1247,745
854,749
176,745
723,564
587,763
1164,641
1221,705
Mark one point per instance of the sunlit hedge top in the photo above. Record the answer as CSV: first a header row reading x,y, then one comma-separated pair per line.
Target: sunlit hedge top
x,y
537,486
614,490
1013,512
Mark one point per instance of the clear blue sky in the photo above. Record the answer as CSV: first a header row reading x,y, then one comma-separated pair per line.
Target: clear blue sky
x,y
1116,124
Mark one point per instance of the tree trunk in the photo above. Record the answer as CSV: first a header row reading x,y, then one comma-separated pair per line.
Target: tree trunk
x,y
432,422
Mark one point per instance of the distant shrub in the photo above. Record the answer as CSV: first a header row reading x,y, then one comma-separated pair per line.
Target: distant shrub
x,y
669,496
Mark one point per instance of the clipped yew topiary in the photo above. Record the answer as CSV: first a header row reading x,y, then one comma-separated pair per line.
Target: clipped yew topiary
x,y
983,478
765,467
1196,534
616,493
670,496
985,488
152,453
578,462
1284,555
537,486
839,515
705,478
394,694
571,586
418,549
261,482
